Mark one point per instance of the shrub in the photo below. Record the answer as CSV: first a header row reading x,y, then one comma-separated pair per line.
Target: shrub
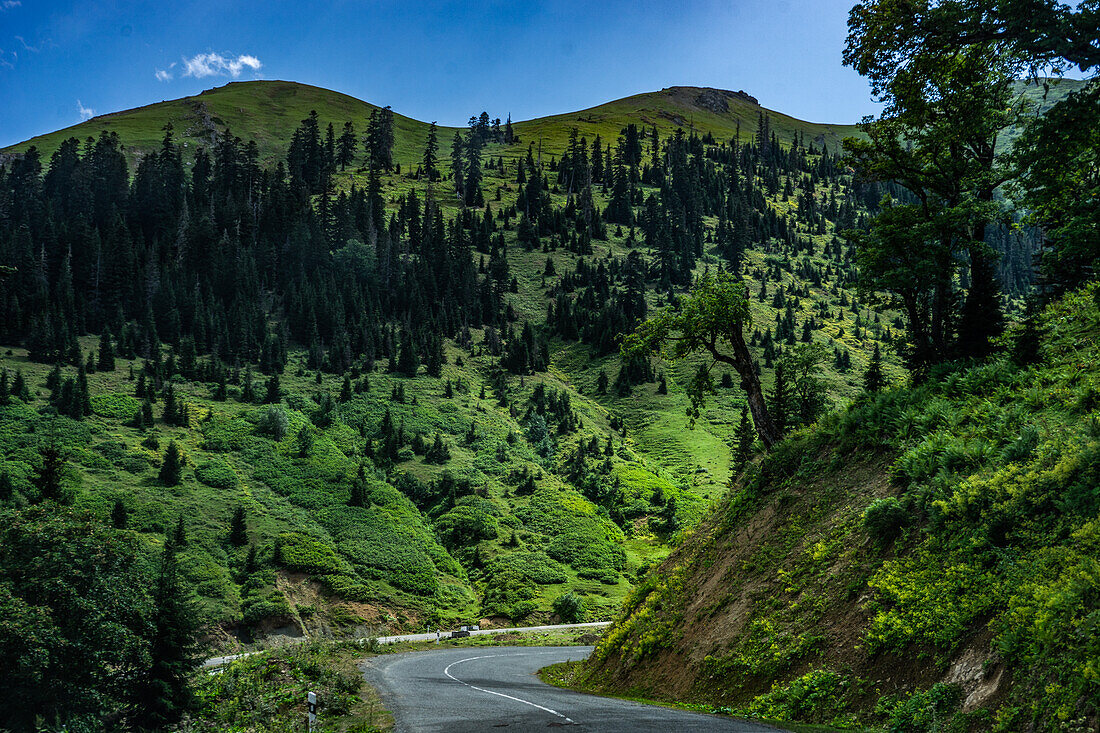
x,y
115,406
216,474
308,554
817,696
570,608
924,710
884,519
1021,449
273,423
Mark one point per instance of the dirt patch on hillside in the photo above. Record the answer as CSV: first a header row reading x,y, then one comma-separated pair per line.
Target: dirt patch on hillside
x,y
799,561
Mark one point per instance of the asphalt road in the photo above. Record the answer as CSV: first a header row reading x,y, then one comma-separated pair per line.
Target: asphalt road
x,y
495,688
216,662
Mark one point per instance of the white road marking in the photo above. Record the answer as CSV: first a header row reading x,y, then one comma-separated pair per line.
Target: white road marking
x,y
447,672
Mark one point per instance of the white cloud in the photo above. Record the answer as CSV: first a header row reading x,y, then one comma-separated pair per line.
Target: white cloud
x,y
215,64
9,4
163,75
86,113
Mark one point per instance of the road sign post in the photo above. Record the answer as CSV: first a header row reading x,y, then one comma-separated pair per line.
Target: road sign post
x,y
311,699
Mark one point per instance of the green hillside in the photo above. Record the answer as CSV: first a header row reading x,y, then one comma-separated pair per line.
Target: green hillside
x,y
716,111
924,560
264,111
269,111
508,521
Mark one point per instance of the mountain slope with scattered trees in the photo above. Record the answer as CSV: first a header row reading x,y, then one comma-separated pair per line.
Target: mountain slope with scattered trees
x,y
349,371
927,557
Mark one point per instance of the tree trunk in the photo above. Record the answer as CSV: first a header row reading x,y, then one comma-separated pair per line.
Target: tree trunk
x,y
750,382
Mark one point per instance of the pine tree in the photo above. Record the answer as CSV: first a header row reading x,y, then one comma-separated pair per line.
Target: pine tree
x,y
47,475
430,161
19,387
439,452
780,400
248,393
345,148
238,528
251,561
873,379
119,516
408,360
358,495
166,692
745,438
171,468
171,413
472,177
457,160
303,443
179,534
106,361
273,395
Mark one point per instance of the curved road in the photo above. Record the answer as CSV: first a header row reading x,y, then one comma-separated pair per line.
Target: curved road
x,y
218,662
471,689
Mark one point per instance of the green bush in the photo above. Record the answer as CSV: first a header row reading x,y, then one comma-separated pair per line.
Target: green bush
x,y
115,406
819,696
307,554
570,608
884,519
216,474
924,710
273,422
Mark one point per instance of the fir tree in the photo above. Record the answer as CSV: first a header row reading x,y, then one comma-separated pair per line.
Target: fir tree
x,y
745,438
238,527
47,475
873,379
106,361
166,692
273,394
119,516
171,468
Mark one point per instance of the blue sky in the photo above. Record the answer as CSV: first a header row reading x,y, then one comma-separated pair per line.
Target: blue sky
x,y
434,60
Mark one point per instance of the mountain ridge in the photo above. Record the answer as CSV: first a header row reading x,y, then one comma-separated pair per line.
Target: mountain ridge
x,y
269,110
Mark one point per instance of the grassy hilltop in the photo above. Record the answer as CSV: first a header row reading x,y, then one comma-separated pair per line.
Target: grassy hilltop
x,y
269,111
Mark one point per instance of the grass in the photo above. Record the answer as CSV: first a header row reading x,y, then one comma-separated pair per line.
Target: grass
x,y
567,676
269,111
